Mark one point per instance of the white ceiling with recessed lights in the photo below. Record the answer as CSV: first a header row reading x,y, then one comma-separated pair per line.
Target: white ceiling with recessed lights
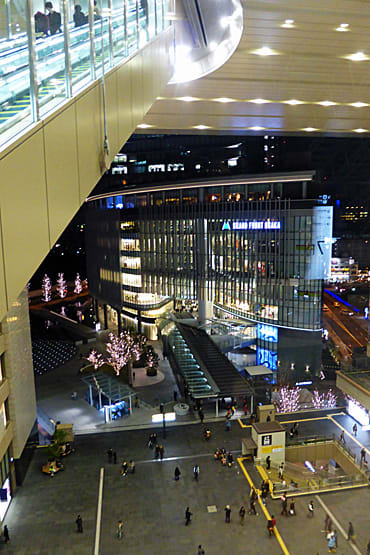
x,y
300,67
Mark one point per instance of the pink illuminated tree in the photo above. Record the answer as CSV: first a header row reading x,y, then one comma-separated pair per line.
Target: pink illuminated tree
x,y
78,285
61,286
46,289
288,399
96,359
124,350
321,400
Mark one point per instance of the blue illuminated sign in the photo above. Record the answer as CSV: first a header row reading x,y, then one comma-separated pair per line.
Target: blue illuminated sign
x,y
268,358
252,224
267,333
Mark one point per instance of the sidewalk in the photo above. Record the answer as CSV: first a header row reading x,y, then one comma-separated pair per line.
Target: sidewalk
x,y
53,392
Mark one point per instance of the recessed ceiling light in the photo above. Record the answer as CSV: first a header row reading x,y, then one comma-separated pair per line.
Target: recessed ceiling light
x,y
256,128
259,101
293,102
357,57
288,24
360,130
327,103
224,99
144,125
359,104
264,51
201,127
343,27
309,129
187,98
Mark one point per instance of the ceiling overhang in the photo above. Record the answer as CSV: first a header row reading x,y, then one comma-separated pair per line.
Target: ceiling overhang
x,y
300,68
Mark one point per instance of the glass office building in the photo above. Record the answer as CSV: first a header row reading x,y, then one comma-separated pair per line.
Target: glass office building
x,y
47,58
239,249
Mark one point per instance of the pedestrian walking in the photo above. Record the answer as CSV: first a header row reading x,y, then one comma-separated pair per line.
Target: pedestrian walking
x,y
341,438
252,506
228,425
270,526
331,542
175,396
336,539
281,471
351,532
119,529
354,429
201,550
161,452
177,473
132,466
363,455
327,524
201,415
6,534
156,453
110,454
79,524
242,515
227,513
284,505
268,462
187,516
114,457
196,472
136,404
292,507
124,468
311,509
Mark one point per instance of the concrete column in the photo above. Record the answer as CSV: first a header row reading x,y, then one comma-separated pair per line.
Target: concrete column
x,y
217,407
119,321
205,310
139,322
105,317
304,189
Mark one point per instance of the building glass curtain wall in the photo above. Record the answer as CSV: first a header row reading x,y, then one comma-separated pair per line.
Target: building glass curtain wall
x,y
263,260
50,55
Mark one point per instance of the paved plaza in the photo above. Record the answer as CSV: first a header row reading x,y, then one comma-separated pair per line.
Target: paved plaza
x,y
41,518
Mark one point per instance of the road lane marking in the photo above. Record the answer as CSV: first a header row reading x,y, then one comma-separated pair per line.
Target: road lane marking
x,y
263,507
337,524
98,514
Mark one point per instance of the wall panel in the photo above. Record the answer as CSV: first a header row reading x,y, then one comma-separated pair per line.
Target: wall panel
x,y
124,94
137,89
90,139
62,178
24,212
111,97
3,293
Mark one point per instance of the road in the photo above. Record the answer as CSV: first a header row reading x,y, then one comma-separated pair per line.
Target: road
x,y
350,329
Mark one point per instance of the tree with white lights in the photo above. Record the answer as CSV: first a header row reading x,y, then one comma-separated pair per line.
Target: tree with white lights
x,y
78,285
96,359
46,289
123,350
61,286
321,400
288,399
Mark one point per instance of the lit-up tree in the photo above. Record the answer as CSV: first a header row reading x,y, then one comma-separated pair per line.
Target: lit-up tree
x,y
123,350
288,399
96,359
61,286
321,400
46,289
78,285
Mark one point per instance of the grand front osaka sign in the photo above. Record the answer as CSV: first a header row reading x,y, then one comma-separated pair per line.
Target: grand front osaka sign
x,y
251,224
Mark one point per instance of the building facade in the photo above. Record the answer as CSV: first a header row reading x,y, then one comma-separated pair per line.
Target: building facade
x,y
239,248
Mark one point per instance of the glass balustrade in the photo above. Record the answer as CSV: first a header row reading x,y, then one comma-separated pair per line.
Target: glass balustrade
x,y
49,51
